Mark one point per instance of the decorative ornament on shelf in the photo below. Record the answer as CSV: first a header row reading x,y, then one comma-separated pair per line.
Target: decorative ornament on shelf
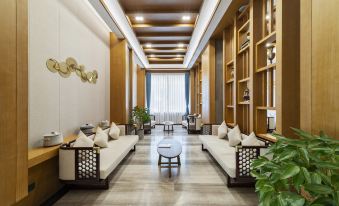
x,y
232,73
70,65
246,96
270,52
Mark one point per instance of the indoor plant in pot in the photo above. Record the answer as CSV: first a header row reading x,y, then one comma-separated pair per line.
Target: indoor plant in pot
x,y
303,171
140,115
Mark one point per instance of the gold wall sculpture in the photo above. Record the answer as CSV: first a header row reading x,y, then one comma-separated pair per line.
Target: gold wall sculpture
x,y
70,65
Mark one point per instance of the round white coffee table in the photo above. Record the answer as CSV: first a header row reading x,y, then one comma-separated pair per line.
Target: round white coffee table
x,y
169,148
169,125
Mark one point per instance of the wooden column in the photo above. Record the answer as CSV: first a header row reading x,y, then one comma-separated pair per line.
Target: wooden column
x,y
208,83
13,101
319,67
141,87
119,80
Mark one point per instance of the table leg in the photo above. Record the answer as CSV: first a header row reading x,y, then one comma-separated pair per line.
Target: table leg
x,y
170,167
164,127
179,162
172,128
159,160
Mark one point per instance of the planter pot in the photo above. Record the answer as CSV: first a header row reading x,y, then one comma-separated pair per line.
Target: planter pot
x,y
140,133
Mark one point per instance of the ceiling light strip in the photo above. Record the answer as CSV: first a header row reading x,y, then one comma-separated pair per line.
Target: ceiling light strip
x,y
206,14
216,18
118,16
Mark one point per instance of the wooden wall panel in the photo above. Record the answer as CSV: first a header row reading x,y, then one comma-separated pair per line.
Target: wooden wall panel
x,y
13,100
119,80
288,67
319,67
45,177
208,83
141,87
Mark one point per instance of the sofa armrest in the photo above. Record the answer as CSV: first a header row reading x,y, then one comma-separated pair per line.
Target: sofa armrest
x,y
122,130
215,129
244,157
127,129
86,162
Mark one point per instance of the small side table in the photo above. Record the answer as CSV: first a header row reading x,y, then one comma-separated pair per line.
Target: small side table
x,y
169,126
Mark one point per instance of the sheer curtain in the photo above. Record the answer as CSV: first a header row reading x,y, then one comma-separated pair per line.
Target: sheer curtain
x,y
168,96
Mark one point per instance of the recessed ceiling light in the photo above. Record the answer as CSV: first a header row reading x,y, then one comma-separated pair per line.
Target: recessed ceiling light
x,y
181,45
139,18
186,18
149,45
267,17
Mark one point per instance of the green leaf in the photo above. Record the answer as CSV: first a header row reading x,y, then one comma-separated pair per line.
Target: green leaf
x,y
256,164
326,179
335,181
290,171
302,133
327,165
318,189
304,154
293,199
287,155
306,175
315,178
323,201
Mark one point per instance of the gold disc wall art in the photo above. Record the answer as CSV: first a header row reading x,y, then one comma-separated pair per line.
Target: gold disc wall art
x,y
70,65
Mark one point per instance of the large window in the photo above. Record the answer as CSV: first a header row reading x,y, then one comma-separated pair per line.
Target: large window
x,y
168,96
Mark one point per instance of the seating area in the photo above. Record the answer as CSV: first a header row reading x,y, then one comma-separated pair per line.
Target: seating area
x,y
93,166
167,102
234,160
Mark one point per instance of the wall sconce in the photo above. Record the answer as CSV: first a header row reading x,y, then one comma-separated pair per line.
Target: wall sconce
x,y
70,65
270,124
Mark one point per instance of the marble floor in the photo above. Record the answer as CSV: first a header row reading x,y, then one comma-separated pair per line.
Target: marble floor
x,y
139,181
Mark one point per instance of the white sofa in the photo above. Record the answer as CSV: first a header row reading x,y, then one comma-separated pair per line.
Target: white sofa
x,y
93,166
235,161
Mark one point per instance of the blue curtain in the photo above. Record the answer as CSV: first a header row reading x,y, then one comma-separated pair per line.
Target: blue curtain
x,y
187,90
148,90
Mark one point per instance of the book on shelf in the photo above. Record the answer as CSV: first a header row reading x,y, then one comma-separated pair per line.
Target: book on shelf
x,y
243,45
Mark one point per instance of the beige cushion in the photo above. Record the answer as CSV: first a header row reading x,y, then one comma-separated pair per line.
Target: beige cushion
x,y
83,141
101,138
234,136
222,130
114,131
251,140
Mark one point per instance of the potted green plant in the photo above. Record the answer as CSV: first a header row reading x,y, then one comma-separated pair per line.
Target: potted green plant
x,y
303,171
140,116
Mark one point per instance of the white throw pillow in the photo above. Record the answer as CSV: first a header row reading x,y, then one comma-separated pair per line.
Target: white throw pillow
x,y
114,131
83,141
251,140
234,136
101,138
222,130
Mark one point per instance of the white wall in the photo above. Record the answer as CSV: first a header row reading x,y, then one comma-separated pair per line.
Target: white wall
x,y
60,29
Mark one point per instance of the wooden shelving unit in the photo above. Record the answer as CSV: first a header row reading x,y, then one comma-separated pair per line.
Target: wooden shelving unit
x,y
265,69
243,78
199,90
229,75
264,52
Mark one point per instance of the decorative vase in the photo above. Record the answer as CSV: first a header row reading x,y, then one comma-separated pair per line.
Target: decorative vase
x,y
270,54
246,96
141,133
